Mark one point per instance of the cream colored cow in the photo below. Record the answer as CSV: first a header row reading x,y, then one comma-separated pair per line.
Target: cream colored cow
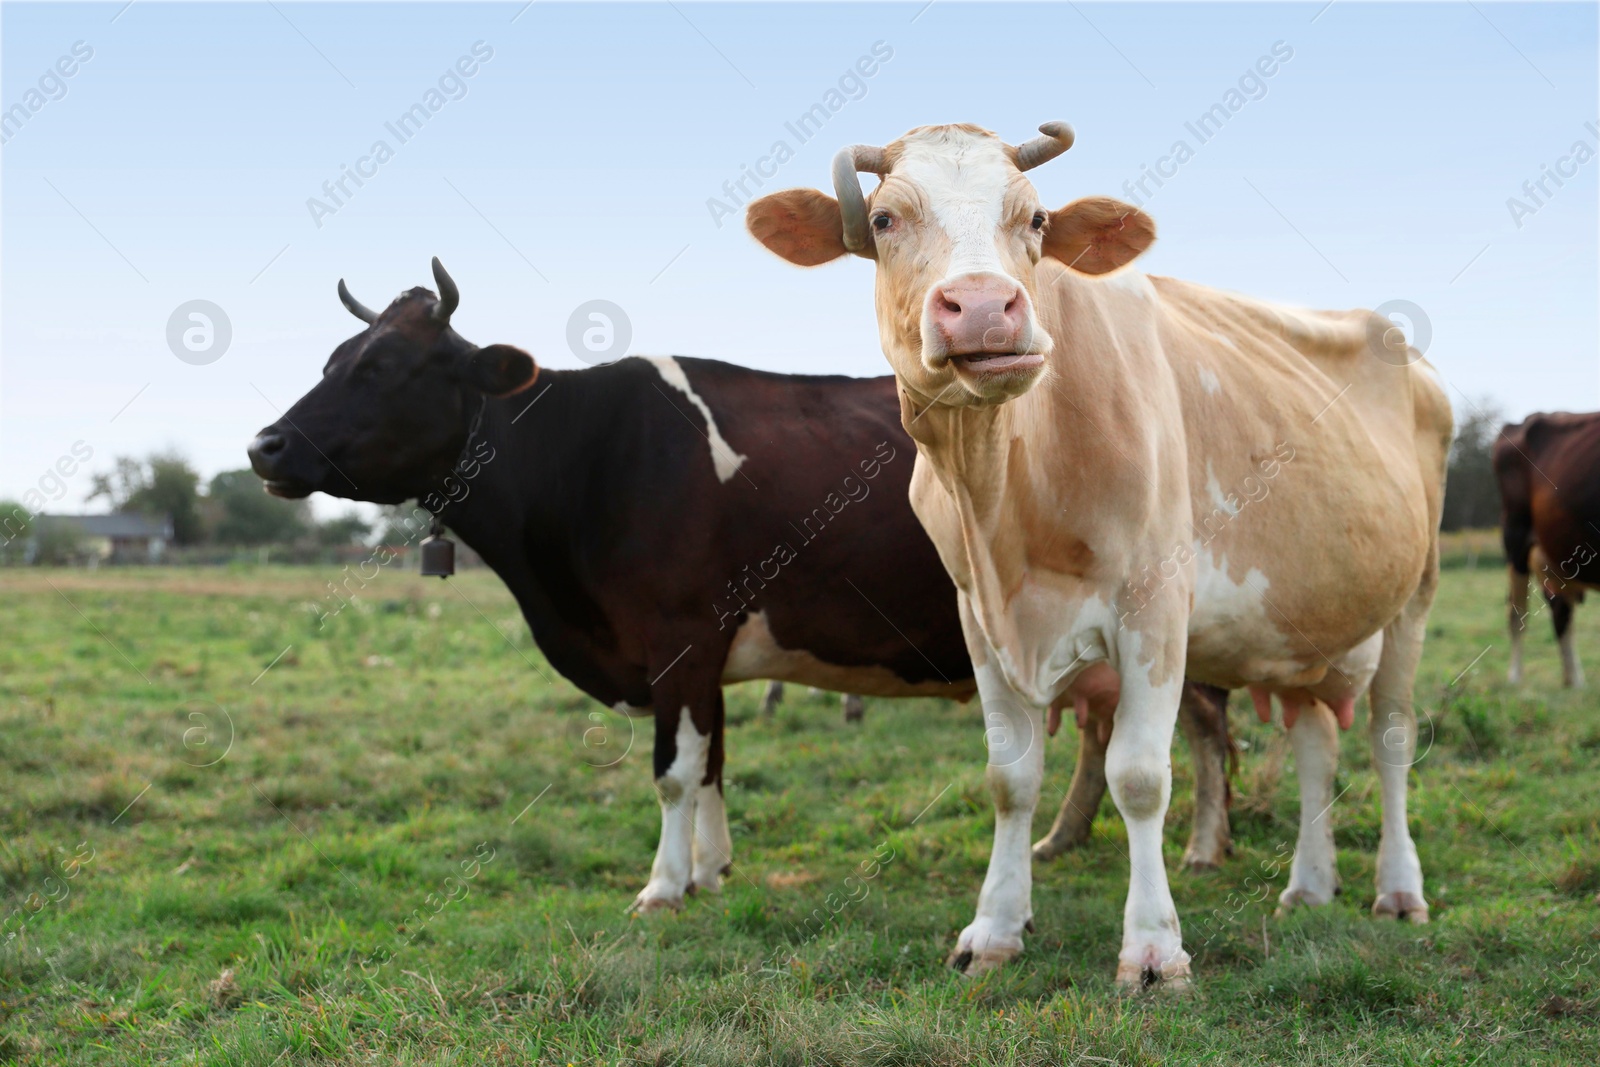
x,y
1126,475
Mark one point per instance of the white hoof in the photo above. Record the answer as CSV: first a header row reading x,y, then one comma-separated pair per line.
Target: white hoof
x,y
984,946
708,881
655,898
1406,907
1165,972
1302,896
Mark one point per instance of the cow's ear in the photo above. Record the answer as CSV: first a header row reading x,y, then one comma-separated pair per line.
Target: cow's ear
x,y
1098,234
500,370
800,225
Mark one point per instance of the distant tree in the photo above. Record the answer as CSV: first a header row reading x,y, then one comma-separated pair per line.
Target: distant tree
x,y
348,528
163,484
57,542
15,522
1471,498
243,513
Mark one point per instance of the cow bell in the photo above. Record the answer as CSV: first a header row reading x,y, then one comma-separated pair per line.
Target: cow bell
x,y
438,555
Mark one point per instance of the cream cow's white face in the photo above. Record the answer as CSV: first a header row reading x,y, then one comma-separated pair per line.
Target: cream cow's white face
x,y
957,231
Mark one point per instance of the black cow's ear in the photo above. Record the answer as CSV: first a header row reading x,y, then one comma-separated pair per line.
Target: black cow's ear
x,y
500,370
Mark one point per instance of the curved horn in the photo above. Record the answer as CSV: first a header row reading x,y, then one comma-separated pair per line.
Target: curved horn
x,y
449,295
1058,137
356,307
847,188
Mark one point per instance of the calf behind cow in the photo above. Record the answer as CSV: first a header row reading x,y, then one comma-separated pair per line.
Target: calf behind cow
x,y
667,526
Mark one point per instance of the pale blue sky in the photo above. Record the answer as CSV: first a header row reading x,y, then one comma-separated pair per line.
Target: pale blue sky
x,y
579,163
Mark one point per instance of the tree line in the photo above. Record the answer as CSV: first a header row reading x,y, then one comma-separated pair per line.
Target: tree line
x,y
232,510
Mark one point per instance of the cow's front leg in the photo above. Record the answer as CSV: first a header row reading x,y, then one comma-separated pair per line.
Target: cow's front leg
x,y
688,726
1517,618
1139,773
1014,732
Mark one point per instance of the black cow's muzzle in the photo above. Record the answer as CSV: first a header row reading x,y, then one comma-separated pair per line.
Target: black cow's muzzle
x,y
268,458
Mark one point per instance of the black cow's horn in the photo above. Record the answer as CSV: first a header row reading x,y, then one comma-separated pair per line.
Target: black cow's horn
x,y
852,205
356,307
1058,137
449,295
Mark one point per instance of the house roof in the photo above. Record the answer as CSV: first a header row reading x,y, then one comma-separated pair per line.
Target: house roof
x,y
119,524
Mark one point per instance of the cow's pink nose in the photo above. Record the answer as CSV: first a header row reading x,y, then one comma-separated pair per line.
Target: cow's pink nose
x,y
980,315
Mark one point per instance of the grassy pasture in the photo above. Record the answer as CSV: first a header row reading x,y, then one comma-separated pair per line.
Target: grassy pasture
x,y
229,835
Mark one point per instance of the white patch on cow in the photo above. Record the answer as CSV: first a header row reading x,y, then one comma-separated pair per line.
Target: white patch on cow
x,y
1225,339
755,653
1133,282
963,179
1218,595
1352,672
1229,615
678,790
1219,499
1209,381
723,457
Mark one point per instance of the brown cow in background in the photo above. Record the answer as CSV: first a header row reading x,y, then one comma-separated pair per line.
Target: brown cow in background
x,y
1548,471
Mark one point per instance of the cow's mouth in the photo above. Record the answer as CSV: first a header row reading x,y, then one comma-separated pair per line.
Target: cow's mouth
x,y
287,488
998,362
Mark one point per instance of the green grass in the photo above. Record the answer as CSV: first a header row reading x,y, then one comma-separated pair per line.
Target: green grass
x,y
246,911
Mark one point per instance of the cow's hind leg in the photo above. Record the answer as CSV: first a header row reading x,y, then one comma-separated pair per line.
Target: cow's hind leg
x,y
1561,605
1075,820
1392,729
772,698
1314,875
1203,716
1139,773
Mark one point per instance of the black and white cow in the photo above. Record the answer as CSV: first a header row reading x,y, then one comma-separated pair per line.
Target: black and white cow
x,y
667,526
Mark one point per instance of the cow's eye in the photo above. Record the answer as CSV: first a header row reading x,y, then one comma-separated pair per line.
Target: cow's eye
x,y
1038,220
882,221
